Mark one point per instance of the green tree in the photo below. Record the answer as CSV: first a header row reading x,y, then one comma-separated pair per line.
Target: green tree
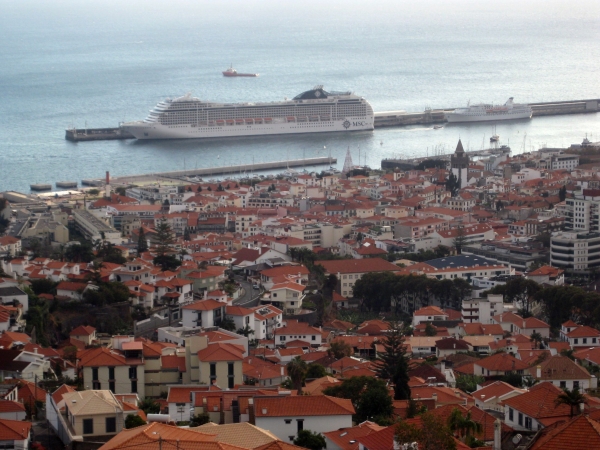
x,y
392,363
121,191
573,399
296,370
452,185
340,349
460,240
308,439
247,331
199,419
463,426
150,406
468,383
562,193
315,370
414,408
142,245
430,330
133,420
165,240
433,435
109,253
537,338
369,395
227,324
78,252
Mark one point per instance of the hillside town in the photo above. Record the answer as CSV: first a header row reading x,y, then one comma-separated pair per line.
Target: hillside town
x,y
452,304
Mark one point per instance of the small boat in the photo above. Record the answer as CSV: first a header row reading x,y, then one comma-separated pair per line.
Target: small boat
x,y
437,127
231,72
495,137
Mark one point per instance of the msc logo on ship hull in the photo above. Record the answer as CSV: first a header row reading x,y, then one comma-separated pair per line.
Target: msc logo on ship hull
x,y
347,124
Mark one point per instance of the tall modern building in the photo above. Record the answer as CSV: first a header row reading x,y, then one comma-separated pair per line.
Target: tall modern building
x,y
459,164
582,212
575,252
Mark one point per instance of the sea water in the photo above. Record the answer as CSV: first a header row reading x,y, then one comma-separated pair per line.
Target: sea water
x,y
95,64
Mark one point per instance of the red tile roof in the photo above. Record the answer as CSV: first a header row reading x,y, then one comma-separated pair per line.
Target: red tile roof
x,y
580,432
14,430
501,362
358,266
583,331
321,405
221,351
71,286
540,402
83,330
205,305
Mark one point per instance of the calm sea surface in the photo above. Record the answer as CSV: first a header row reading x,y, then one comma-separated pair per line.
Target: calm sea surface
x,y
65,63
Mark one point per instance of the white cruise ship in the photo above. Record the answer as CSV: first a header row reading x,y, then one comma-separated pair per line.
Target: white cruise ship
x,y
313,111
482,112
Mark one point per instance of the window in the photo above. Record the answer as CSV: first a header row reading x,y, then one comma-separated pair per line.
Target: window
x,y
111,386
88,426
111,373
563,384
576,384
576,341
585,340
521,419
94,373
314,338
230,375
134,386
288,421
511,414
300,424
528,423
213,371
111,424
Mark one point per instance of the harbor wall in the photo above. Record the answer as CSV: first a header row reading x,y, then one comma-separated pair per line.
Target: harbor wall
x,y
214,171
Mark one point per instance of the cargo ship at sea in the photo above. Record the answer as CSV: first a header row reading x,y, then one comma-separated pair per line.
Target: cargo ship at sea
x,y
488,112
313,111
231,72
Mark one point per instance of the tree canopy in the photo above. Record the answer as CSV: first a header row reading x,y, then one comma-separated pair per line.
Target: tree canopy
x,y
308,439
369,395
392,363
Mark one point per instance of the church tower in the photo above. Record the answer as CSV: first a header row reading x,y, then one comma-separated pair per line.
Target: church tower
x,y
459,164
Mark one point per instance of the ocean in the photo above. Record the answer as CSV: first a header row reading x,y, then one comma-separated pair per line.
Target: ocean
x,y
95,64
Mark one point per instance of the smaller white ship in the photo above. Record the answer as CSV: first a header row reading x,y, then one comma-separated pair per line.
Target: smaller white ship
x,y
488,112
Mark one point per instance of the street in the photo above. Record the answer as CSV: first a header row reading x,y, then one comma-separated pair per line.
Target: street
x,y
250,297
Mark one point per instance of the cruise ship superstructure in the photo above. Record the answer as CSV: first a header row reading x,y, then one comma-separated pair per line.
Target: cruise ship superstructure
x,y
313,111
484,112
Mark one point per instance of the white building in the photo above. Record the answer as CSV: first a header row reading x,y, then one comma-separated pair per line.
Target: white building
x,y
286,416
482,310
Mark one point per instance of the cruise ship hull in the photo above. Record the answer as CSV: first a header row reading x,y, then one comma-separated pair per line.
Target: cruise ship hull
x,y
144,130
457,117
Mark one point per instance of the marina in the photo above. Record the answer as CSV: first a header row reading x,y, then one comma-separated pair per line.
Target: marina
x,y
243,169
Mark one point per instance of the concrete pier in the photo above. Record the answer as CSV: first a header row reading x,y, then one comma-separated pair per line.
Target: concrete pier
x,y
96,134
40,187
66,184
217,171
438,116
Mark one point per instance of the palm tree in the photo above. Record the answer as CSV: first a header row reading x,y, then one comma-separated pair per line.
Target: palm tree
x,y
296,369
537,339
572,398
464,426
